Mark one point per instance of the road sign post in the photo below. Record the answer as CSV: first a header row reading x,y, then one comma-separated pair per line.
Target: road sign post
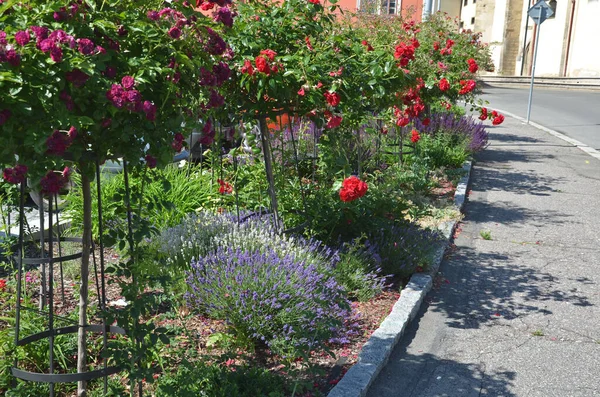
x,y
539,12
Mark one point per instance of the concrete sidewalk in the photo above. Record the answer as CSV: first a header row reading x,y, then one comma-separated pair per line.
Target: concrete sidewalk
x,y
517,315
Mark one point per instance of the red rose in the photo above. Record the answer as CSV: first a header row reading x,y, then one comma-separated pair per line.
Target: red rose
x,y
269,53
414,138
444,84
262,65
466,86
150,161
333,98
224,187
247,68
426,121
484,114
15,175
2,283
301,91
352,189
314,1
473,67
334,122
498,120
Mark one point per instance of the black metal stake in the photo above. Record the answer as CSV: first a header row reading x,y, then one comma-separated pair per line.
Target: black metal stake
x,y
20,266
101,243
42,302
62,279
50,292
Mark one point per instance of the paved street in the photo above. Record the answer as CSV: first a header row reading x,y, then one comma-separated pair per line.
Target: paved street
x,y
575,113
517,315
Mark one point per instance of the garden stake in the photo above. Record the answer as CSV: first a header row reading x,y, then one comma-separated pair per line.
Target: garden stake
x,y
62,279
267,155
101,242
302,194
42,302
237,196
50,294
84,288
20,267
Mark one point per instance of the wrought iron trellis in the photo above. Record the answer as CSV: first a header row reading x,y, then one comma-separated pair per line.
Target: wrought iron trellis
x,y
47,301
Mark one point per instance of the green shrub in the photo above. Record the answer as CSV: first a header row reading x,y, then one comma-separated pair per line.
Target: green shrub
x,y
198,379
358,271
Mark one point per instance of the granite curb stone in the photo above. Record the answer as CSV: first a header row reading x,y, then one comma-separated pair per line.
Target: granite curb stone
x,y
376,351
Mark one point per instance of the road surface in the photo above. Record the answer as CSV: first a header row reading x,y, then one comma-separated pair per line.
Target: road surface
x,y
575,113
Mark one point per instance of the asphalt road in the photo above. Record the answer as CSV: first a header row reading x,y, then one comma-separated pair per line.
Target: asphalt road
x,y
575,113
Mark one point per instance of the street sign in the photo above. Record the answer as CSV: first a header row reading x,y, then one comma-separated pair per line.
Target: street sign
x,y
539,12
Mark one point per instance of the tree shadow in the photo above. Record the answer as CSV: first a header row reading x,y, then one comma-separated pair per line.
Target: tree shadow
x,y
482,288
491,175
426,375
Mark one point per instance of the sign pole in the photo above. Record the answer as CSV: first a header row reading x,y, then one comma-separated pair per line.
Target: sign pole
x,y
539,12
537,45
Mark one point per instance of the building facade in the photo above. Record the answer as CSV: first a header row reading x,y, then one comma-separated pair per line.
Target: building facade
x,y
568,41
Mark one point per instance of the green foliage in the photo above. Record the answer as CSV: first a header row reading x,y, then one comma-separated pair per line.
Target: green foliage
x,y
443,150
357,271
192,379
167,195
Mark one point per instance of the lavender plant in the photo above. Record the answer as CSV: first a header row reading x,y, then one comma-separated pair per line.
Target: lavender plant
x,y
272,301
464,126
403,248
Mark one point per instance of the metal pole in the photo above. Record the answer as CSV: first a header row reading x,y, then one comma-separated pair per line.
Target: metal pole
x,y
524,45
533,72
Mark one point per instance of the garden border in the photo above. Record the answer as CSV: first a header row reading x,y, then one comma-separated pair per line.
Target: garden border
x,y
377,350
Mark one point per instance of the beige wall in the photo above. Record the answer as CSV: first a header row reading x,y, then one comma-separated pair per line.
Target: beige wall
x,y
584,56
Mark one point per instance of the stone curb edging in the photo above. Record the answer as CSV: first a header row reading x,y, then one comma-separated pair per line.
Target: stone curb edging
x,y
377,350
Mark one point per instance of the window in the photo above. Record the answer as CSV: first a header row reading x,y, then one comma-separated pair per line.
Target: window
x,y
473,21
466,2
392,7
461,25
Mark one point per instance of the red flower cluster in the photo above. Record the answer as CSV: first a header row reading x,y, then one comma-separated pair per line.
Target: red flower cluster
x,y
466,86
308,44
123,95
208,134
177,143
496,117
367,45
15,175
332,98
263,63
150,161
444,84
406,53
224,187
337,73
53,182
314,1
446,50
352,189
58,143
415,137
332,121
484,114
473,67
2,283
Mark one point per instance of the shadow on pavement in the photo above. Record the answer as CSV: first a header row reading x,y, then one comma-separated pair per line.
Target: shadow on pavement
x,y
499,288
426,375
